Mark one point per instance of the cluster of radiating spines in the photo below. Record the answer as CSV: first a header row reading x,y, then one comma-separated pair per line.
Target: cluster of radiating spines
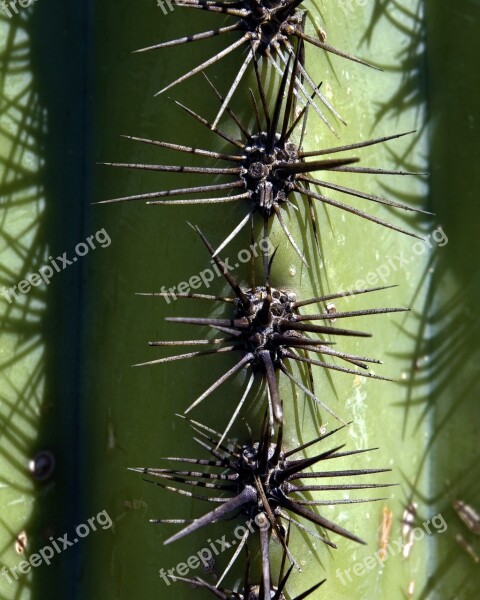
x,y
270,171
251,591
267,330
265,29
265,483
268,486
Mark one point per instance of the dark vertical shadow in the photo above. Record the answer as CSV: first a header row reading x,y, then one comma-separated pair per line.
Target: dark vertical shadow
x,y
44,189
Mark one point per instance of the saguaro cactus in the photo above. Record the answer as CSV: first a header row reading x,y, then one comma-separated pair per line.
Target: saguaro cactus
x,y
117,417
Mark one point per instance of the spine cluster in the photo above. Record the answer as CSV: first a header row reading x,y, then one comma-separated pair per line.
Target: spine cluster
x,y
266,169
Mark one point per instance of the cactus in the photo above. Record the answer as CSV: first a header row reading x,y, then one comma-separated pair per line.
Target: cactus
x,y
125,417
